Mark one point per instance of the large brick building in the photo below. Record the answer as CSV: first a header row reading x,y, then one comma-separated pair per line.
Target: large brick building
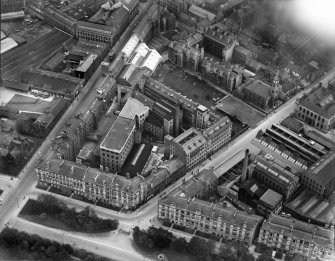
x,y
320,177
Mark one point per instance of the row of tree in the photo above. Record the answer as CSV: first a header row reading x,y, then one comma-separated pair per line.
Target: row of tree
x,y
197,249
85,220
18,245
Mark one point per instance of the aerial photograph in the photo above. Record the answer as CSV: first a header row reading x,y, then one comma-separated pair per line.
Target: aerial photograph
x,y
167,130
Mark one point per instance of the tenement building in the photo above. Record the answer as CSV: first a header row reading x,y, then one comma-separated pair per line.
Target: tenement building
x,y
209,218
318,108
320,177
291,236
219,44
118,191
194,146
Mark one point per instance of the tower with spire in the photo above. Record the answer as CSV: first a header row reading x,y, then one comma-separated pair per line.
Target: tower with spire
x,y
276,87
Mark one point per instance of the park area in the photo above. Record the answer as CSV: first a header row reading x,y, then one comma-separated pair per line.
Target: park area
x,y
49,211
188,85
240,110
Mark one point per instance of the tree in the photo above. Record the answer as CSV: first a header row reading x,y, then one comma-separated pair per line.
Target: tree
x,y
179,245
265,257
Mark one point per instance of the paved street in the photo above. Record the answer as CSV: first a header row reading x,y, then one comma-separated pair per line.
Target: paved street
x,y
117,246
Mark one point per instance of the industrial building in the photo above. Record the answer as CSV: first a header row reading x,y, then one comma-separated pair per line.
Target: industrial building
x,y
291,149
117,144
320,177
274,177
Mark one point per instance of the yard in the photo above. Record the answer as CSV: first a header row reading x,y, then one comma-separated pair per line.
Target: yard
x,y
26,103
188,85
240,110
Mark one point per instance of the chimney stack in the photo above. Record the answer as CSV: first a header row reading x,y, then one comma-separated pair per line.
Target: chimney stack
x,y
159,17
245,167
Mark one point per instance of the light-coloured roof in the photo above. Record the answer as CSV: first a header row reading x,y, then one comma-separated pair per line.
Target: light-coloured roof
x,y
3,35
271,198
132,108
130,46
202,108
152,61
198,11
83,67
7,44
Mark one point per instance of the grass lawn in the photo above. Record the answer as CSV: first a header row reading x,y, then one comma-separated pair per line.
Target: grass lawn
x,y
48,221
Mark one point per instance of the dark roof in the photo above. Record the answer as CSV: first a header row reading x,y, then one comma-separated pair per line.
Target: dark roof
x,y
292,124
96,27
225,40
319,138
275,172
133,167
154,119
259,88
116,139
323,170
16,85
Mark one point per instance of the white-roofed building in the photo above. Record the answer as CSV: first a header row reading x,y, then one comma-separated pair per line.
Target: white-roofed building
x,y
7,44
152,60
143,61
130,46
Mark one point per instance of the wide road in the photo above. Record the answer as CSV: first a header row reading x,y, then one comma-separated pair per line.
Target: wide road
x,y
23,58
27,175
114,246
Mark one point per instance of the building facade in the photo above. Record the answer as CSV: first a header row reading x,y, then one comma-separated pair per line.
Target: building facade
x,y
317,109
9,6
194,146
320,177
210,218
108,188
275,177
291,236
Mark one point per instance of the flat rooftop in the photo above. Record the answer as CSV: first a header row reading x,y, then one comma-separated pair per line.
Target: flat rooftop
x,y
118,135
133,107
239,109
271,198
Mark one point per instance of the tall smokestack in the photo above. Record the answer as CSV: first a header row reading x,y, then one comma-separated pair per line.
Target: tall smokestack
x,y
159,17
245,166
